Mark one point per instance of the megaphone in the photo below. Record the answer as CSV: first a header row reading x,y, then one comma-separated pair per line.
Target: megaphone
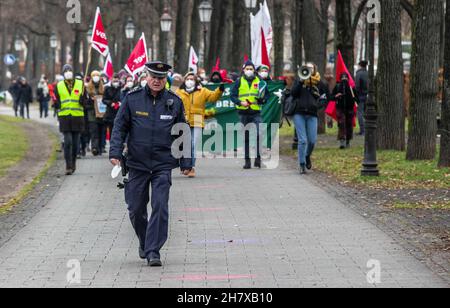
x,y
304,73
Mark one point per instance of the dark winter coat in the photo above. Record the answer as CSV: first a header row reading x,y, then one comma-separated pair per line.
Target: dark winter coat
x,y
111,99
147,122
25,95
14,90
349,98
41,97
362,82
307,98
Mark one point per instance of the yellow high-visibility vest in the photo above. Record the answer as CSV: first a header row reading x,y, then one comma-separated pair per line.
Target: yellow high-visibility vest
x,y
70,102
249,93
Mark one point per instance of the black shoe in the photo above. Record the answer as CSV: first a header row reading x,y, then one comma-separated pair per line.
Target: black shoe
x,y
248,164
342,147
308,163
303,169
74,166
142,254
95,152
83,153
154,263
258,163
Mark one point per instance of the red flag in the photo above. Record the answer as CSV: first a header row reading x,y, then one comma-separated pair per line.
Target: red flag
x,y
99,40
217,67
246,58
342,68
109,69
265,54
138,58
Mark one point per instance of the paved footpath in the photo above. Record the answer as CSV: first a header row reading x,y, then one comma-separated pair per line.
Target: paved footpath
x,y
229,228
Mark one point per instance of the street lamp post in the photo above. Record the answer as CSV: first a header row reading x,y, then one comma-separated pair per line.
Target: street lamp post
x,y
370,164
205,10
130,31
53,46
166,25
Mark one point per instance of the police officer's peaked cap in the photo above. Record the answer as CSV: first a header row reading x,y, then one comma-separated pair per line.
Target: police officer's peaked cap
x,y
158,69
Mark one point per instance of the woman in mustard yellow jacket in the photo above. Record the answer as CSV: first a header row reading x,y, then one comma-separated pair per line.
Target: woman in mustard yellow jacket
x,y
194,98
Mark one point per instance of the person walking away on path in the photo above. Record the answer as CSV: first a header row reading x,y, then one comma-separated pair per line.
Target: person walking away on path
x,y
362,90
112,101
249,94
147,117
25,97
195,97
43,96
95,91
345,98
70,98
309,99
14,90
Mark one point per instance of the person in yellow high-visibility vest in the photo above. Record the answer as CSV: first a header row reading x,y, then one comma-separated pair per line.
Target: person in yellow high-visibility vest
x,y
249,94
70,97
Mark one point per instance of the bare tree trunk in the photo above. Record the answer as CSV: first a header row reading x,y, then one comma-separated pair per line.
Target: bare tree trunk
x,y
297,33
391,121
241,40
278,33
197,29
182,40
424,87
444,157
344,32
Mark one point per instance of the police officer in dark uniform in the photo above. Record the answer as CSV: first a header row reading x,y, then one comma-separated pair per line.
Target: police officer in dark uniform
x,y
145,120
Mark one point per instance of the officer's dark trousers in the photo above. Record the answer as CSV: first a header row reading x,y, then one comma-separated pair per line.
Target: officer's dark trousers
x,y
152,233
255,119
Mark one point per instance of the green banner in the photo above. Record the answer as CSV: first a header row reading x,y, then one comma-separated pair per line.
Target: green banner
x,y
225,113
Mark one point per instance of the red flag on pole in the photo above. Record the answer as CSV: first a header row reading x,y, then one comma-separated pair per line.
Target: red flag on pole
x,y
138,58
217,67
341,68
109,69
265,53
99,40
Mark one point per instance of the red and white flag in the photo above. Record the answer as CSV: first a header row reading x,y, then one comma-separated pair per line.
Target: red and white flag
x,y
99,40
138,59
108,70
261,35
193,61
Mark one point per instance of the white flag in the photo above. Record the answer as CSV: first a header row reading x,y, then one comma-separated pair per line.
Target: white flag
x,y
261,21
193,61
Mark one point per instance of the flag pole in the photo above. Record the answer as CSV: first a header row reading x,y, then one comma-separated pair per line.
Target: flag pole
x,y
88,62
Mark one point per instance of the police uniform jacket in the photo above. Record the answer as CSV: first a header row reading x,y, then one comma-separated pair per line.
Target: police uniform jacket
x,y
147,121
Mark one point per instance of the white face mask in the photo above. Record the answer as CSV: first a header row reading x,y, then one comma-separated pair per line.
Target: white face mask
x,y
249,73
190,84
68,75
130,84
203,76
96,79
116,84
143,83
264,75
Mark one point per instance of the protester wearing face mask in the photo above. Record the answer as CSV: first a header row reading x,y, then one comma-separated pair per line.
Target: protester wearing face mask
x,y
202,76
143,80
249,94
194,98
129,85
97,128
43,96
112,100
70,98
345,98
264,73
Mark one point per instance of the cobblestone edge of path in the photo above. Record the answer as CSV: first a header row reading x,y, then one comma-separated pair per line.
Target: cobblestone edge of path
x,y
399,226
22,213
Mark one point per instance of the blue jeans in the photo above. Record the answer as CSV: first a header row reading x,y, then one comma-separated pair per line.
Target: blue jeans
x,y
306,127
196,135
